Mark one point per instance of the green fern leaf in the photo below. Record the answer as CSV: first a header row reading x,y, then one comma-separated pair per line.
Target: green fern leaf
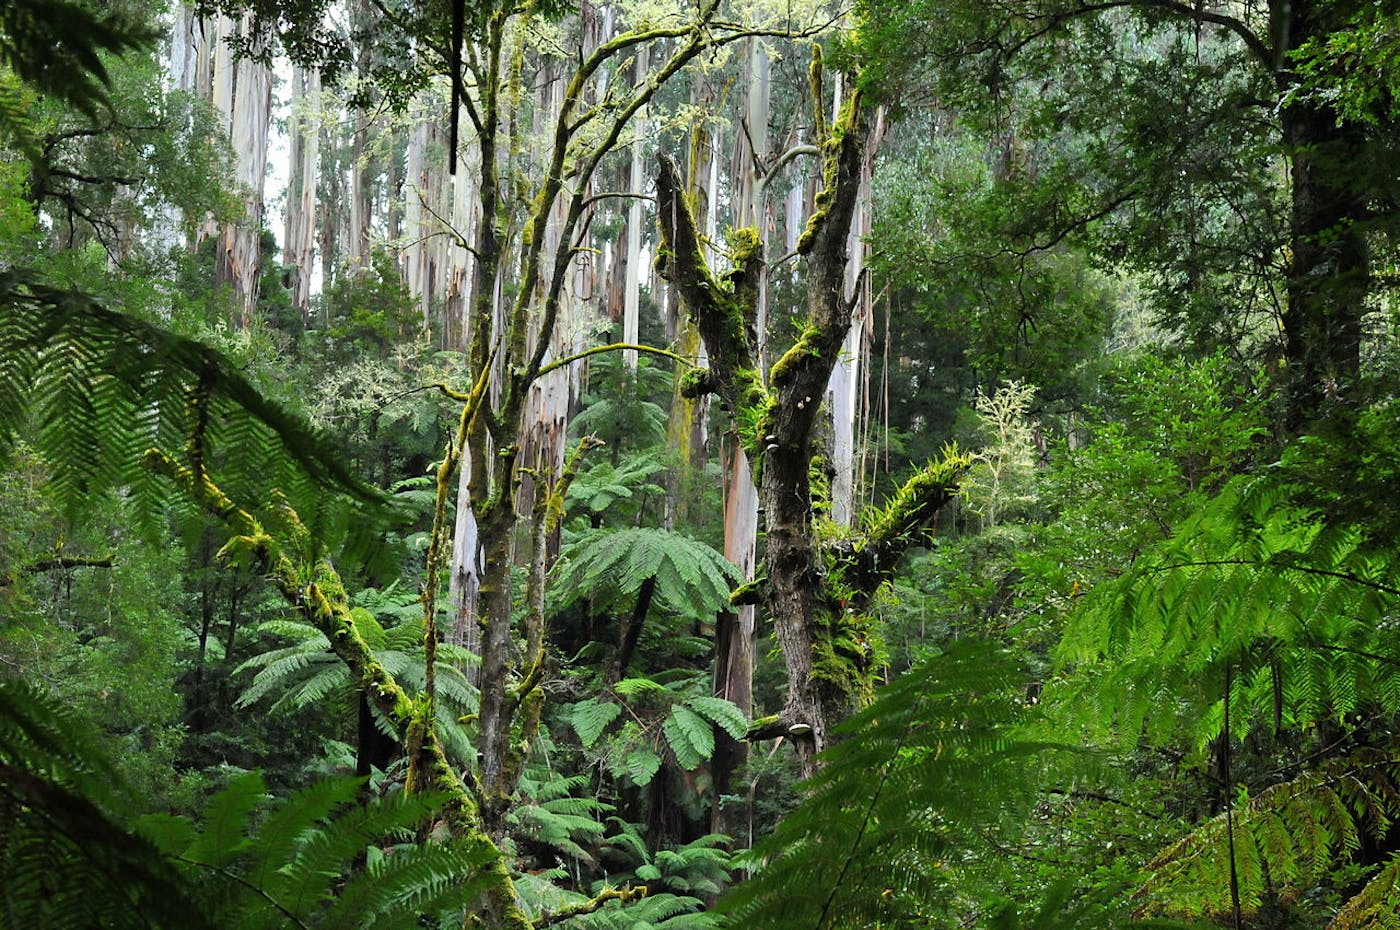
x,y
689,736
591,717
631,687
222,834
724,714
641,765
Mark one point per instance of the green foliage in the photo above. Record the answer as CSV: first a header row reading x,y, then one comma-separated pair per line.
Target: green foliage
x,y
1280,842
57,47
620,405
930,780
605,488
966,253
999,486
100,385
692,579
298,862
307,673
1253,590
669,711
68,858
549,813
1354,70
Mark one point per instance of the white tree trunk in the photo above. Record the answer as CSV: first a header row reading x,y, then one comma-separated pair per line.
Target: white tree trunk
x,y
299,238
632,286
845,388
243,93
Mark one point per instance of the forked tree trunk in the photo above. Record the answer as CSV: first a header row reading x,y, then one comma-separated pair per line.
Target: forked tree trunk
x,y
818,596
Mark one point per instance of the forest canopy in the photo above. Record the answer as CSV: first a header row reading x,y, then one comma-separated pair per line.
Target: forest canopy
x,y
699,465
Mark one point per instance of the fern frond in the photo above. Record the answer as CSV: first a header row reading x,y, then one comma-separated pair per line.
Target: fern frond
x,y
1285,839
689,735
94,387
1378,904
68,858
591,717
692,578
937,767
1294,607
222,836
410,882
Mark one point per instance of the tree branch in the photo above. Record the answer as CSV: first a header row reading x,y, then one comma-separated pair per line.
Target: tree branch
x,y
588,907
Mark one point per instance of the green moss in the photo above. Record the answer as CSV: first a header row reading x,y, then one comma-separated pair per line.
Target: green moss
x,y
750,592
843,655
744,245
697,382
907,508
806,346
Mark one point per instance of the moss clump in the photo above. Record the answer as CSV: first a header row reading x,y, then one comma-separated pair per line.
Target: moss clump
x,y
744,245
750,592
842,657
808,345
697,382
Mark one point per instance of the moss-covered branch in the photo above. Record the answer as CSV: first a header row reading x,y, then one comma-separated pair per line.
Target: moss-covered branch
x,y
906,519
613,347
314,588
724,310
588,907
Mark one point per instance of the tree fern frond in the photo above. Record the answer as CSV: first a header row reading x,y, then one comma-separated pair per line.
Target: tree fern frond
x,y
692,578
69,861
689,735
1284,839
400,888
293,820
94,383
1251,580
309,877
936,765
222,836
591,717
1378,904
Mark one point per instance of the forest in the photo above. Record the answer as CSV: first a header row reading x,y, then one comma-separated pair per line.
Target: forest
x,y
699,464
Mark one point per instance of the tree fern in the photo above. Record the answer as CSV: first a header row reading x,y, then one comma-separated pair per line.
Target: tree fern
x,y
1282,841
604,484
692,579
307,671
92,387
903,804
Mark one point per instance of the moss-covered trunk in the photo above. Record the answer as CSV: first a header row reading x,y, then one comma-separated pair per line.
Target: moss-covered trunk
x,y
816,593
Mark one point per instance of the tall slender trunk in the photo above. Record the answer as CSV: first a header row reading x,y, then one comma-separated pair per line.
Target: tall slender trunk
x,y
636,181
737,631
299,238
844,390
245,86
